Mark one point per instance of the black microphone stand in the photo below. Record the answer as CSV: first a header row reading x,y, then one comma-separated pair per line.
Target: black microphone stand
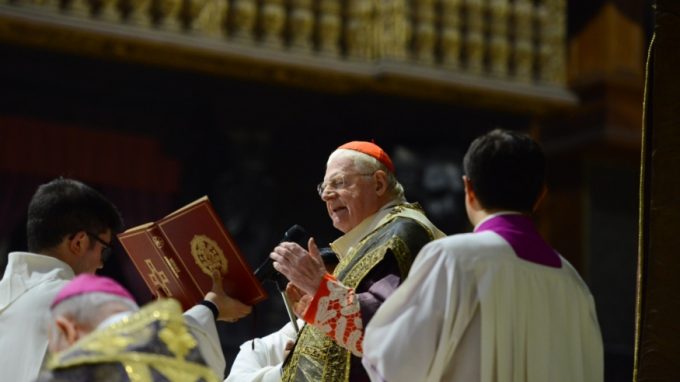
x,y
266,271
286,302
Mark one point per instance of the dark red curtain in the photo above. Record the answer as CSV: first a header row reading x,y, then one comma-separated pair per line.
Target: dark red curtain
x,y
132,170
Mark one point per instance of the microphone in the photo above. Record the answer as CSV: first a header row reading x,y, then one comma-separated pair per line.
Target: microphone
x,y
266,271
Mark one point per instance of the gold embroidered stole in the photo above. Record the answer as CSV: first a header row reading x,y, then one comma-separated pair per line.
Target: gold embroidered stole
x,y
156,337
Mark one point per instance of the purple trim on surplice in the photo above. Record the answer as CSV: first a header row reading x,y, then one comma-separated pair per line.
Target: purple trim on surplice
x,y
520,233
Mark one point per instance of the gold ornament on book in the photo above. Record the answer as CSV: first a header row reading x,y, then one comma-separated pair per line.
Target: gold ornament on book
x,y
208,255
158,241
158,278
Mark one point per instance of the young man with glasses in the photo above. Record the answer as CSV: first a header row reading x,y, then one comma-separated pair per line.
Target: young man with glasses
x,y
382,233
69,230
107,249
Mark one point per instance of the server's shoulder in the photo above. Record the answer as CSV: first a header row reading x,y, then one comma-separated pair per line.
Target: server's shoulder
x,y
458,245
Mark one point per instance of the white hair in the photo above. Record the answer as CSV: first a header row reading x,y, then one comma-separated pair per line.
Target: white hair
x,y
366,164
88,308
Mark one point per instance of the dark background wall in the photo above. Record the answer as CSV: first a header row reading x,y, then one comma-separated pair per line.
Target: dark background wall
x,y
256,150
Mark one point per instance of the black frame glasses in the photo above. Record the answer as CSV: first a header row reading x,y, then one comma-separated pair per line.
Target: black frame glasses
x,y
108,248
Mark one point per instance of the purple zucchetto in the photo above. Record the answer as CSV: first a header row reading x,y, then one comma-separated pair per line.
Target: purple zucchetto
x,y
88,283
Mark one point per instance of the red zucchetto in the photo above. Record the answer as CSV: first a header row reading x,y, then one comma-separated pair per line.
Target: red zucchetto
x,y
370,148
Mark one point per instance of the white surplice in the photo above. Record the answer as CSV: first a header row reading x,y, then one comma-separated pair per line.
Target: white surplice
x,y
27,289
471,310
202,326
260,359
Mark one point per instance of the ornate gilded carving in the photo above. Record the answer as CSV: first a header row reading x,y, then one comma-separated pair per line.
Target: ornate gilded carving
x,y
166,13
106,10
300,21
54,4
556,67
499,48
78,7
208,255
423,30
242,19
208,17
520,39
329,27
450,33
139,12
272,21
523,51
359,29
551,16
391,29
474,41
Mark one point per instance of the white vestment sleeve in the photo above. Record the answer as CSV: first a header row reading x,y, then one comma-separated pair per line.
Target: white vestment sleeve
x,y
201,323
401,339
252,366
261,359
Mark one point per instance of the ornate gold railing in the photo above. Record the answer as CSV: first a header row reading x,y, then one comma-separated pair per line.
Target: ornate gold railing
x,y
498,41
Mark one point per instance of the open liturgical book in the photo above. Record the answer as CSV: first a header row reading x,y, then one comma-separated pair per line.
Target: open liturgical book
x,y
177,254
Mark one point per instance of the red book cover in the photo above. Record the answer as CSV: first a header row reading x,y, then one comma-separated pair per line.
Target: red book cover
x,y
177,254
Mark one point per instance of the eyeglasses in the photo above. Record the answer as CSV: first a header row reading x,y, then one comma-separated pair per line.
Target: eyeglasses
x,y
107,250
337,182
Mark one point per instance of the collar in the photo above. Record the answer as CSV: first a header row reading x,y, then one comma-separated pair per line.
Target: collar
x,y
520,233
489,217
26,270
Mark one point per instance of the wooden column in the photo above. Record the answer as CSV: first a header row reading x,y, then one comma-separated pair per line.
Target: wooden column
x,y
657,347
592,221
